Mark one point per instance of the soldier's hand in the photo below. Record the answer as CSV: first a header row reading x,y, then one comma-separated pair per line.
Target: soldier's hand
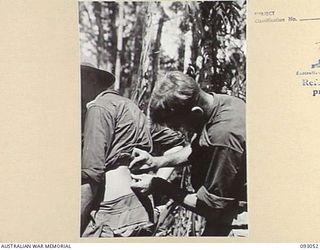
x,y
142,161
142,181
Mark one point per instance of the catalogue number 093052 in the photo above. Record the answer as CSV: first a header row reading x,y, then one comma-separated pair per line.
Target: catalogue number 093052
x,y
309,246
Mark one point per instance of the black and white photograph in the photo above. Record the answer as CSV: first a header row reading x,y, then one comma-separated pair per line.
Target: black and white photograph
x,y
163,119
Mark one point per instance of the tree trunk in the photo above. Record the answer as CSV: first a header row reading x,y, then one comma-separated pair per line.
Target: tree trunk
x,y
119,47
138,32
160,19
192,42
149,61
110,36
100,40
187,50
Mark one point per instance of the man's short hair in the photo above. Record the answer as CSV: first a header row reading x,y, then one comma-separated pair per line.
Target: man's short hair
x,y
173,96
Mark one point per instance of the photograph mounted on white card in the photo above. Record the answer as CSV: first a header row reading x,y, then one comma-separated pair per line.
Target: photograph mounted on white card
x,y
163,96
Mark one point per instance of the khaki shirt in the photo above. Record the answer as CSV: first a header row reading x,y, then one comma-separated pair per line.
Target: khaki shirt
x,y
114,125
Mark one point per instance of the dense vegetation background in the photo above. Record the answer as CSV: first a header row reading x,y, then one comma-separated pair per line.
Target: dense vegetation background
x,y
137,41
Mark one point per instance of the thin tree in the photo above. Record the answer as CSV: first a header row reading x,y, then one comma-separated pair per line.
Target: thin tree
x,y
119,47
149,60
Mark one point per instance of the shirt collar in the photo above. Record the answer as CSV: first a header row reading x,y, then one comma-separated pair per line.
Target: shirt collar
x,y
215,106
108,91
203,135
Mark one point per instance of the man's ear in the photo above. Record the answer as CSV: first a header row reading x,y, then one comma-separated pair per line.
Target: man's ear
x,y
197,112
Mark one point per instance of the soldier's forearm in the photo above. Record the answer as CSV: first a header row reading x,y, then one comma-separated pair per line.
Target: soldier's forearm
x,y
166,172
173,158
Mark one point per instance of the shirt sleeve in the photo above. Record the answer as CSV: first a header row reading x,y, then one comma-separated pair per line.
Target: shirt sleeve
x,y
224,178
165,138
98,132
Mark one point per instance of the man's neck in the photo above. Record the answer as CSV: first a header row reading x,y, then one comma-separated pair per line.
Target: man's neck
x,y
207,104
